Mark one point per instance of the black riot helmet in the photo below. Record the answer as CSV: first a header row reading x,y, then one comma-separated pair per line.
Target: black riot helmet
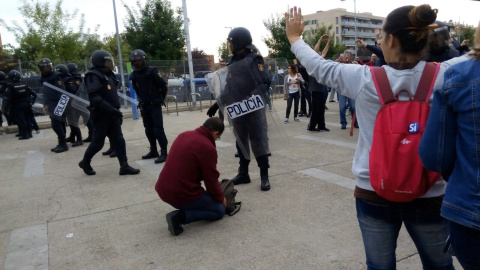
x,y
62,69
72,67
101,59
2,76
14,76
46,66
439,38
239,38
138,58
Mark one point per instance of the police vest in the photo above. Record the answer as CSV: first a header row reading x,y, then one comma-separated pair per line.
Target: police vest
x,y
108,86
144,81
20,92
51,96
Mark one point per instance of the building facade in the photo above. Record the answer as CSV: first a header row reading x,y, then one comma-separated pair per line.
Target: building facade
x,y
343,23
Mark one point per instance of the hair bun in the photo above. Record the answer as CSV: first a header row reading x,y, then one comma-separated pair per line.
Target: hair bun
x,y
422,16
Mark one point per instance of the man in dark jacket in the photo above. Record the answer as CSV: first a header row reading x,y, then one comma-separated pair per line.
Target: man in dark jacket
x,y
193,159
106,117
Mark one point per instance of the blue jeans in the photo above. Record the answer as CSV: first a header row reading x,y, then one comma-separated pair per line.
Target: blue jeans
x,y
292,98
466,244
381,223
205,208
343,107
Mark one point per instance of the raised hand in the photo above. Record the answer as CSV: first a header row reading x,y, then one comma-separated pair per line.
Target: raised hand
x,y
294,24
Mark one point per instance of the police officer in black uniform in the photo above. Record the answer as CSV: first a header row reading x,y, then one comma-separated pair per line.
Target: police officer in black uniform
x,y
101,85
51,99
3,88
77,78
439,49
253,127
72,114
18,98
151,91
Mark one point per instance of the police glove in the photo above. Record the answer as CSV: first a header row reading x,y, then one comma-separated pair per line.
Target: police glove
x,y
212,110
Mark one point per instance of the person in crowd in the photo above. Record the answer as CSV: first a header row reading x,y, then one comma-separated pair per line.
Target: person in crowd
x,y
151,91
317,119
376,50
405,35
291,90
3,88
51,99
345,102
305,97
18,99
193,159
251,128
77,78
449,145
101,83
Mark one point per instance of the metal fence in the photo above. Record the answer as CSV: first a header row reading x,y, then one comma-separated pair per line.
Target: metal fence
x,y
175,71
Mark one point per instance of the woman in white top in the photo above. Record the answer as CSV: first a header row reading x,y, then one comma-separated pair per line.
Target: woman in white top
x,y
291,87
404,39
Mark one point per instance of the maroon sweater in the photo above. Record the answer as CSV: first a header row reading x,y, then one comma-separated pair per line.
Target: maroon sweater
x,y
192,158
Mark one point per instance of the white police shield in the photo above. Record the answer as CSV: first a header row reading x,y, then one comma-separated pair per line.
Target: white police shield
x,y
59,104
245,102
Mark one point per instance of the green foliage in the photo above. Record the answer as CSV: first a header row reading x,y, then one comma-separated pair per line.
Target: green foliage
x,y
199,61
278,44
157,29
312,37
467,33
44,32
223,52
110,45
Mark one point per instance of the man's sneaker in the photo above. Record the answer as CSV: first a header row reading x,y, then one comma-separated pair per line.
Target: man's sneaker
x,y
296,119
324,129
344,126
286,120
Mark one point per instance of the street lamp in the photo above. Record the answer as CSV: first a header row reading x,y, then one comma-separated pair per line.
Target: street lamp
x,y
355,12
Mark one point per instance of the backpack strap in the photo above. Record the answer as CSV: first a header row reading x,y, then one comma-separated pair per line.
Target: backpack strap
x,y
238,205
382,85
427,81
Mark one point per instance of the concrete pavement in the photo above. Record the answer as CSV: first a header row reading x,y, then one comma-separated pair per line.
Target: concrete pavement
x,y
53,216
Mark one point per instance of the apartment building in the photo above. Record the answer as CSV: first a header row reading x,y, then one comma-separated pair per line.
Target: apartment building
x,y
343,23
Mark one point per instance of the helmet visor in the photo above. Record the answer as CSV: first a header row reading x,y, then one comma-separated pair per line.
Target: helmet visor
x,y
139,64
110,63
46,69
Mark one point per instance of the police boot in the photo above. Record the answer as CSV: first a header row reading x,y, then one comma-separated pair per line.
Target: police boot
x,y
162,158
108,152
265,183
77,143
113,154
55,148
88,139
29,134
242,176
71,138
152,154
126,169
62,147
86,167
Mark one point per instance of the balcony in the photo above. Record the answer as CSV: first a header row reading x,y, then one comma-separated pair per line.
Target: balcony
x,y
359,34
359,24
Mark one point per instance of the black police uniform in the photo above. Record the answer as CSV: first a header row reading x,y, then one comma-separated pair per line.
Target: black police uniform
x,y
106,118
19,97
3,88
151,91
51,99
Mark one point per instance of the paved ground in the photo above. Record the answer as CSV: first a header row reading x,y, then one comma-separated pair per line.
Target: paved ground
x,y
53,216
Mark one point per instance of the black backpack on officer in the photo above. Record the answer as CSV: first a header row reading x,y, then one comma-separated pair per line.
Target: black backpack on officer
x,y
230,192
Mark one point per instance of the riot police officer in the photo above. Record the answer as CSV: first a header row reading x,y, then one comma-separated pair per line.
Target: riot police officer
x,y
18,98
77,78
3,88
151,91
71,113
253,128
51,99
439,49
106,117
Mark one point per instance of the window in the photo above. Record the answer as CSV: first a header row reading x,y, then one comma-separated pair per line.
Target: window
x,y
307,22
336,30
314,21
336,20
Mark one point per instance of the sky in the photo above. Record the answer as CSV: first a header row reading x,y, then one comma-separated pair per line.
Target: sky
x,y
211,20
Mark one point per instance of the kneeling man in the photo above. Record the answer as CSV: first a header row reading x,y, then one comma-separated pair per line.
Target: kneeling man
x,y
192,159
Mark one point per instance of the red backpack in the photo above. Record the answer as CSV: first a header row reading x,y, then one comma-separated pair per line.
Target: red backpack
x,y
396,171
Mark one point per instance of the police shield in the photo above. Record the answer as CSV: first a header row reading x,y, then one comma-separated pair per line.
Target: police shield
x,y
244,100
57,103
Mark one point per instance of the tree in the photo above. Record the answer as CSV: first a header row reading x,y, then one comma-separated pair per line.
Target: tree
x,y
110,45
278,44
44,33
311,38
157,29
199,60
223,52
